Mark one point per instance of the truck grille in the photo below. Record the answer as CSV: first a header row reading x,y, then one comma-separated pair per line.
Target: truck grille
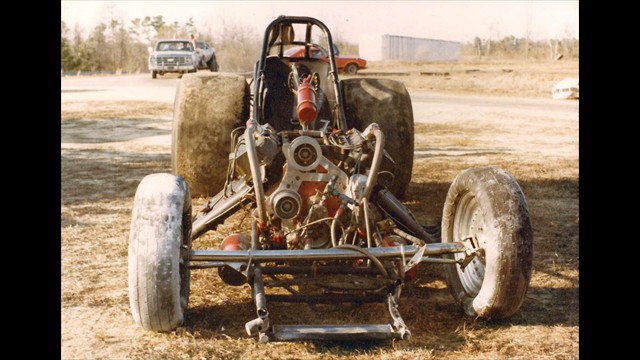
x,y
173,60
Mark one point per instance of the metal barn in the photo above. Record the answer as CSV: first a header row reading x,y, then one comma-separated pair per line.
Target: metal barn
x,y
394,47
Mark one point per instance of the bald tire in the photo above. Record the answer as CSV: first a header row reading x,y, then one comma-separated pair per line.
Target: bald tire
x,y
488,204
207,107
387,103
159,245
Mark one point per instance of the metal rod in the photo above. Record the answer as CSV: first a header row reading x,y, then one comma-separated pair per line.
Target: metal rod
x,y
254,235
223,208
329,269
287,287
440,260
252,154
261,256
333,269
259,295
327,299
372,284
372,179
388,203
367,224
408,236
209,265
398,322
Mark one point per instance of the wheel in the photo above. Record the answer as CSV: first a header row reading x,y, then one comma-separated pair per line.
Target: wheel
x,y
207,107
212,64
485,208
351,69
159,245
154,74
387,103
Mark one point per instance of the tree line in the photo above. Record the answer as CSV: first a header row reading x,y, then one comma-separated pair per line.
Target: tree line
x,y
523,48
115,46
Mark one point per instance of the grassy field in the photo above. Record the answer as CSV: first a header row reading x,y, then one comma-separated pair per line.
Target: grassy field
x,y
107,147
475,76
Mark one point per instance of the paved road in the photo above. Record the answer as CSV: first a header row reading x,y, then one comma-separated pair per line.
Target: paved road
x,y
427,106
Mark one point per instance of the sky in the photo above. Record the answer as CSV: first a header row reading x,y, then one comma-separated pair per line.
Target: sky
x,y
347,20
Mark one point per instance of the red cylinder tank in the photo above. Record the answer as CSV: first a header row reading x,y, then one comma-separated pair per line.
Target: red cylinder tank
x,y
307,108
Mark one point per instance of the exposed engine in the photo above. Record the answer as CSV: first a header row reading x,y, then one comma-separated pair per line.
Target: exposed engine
x,y
316,199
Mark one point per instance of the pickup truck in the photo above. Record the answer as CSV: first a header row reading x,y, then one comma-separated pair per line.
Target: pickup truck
x,y
179,56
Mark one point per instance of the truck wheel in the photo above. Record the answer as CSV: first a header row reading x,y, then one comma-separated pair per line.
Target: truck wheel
x,y
154,74
159,246
387,103
207,107
486,208
212,65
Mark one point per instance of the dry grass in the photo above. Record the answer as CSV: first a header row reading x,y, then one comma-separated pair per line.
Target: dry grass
x,y
113,109
481,76
101,168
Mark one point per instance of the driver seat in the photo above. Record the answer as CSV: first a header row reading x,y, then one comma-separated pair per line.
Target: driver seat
x,y
285,33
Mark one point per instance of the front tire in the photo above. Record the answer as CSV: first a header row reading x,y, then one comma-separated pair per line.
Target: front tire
x,y
154,74
159,246
486,208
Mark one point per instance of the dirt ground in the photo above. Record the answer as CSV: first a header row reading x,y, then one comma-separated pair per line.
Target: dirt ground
x,y
108,146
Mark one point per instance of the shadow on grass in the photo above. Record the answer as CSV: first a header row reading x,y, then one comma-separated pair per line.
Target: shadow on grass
x,y
426,153
223,321
92,131
106,175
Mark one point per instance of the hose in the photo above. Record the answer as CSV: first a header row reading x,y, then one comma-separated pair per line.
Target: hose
x,y
373,259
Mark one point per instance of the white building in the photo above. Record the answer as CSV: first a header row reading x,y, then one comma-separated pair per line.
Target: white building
x,y
394,47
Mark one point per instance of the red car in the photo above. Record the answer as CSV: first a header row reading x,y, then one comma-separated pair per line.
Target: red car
x,y
346,64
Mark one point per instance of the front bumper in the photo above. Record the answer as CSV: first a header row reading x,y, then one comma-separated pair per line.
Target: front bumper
x,y
171,68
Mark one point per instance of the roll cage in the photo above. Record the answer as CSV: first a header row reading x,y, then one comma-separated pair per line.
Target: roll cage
x,y
273,40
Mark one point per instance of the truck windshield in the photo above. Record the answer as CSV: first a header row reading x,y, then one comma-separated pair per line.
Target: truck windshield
x,y
174,46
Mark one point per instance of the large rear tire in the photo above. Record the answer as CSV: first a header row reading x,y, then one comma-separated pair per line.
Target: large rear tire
x,y
486,208
159,246
387,103
207,107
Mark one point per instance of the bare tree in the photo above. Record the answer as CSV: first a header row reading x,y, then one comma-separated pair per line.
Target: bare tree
x,y
238,48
